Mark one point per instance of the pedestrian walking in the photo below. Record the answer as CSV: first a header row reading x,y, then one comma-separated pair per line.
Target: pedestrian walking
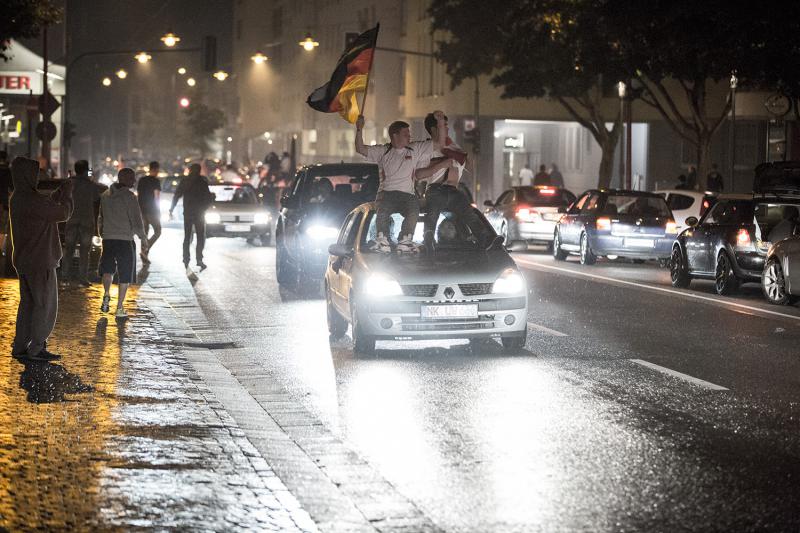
x,y
5,190
120,220
397,161
691,178
526,175
36,252
149,194
542,178
714,181
556,178
82,225
196,199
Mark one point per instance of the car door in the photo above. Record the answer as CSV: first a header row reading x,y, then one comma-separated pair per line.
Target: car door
x,y
334,272
346,268
502,209
292,212
704,237
792,263
569,223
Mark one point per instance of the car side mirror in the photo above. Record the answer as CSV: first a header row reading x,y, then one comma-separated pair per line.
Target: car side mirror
x,y
517,246
488,203
340,250
692,222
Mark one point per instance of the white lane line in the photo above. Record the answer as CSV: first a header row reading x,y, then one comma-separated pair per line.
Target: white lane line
x,y
655,288
546,330
685,377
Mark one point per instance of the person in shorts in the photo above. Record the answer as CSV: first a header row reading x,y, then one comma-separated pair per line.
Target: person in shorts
x,y
120,220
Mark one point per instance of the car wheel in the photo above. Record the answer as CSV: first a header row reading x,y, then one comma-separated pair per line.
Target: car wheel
x,y
773,283
725,280
337,326
362,343
558,253
514,344
504,232
265,239
587,256
678,270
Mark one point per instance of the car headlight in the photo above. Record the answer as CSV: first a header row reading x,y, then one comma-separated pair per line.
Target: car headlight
x,y
322,232
261,218
382,285
212,218
509,282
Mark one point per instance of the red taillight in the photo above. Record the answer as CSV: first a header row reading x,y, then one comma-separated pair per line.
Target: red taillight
x,y
526,214
743,238
603,223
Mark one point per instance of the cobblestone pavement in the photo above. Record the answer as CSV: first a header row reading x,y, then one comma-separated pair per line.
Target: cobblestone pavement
x,y
123,434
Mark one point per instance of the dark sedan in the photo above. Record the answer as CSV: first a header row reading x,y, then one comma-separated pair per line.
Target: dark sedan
x,y
528,213
616,223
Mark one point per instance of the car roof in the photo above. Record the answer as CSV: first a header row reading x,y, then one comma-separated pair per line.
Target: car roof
x,y
735,196
626,192
697,194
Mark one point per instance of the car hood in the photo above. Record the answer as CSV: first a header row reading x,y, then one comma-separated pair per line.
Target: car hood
x,y
443,267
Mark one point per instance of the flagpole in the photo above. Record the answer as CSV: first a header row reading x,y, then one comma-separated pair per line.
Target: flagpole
x,y
369,71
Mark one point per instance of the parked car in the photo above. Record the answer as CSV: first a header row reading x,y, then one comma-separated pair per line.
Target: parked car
x,y
312,211
616,223
685,204
461,291
780,280
528,213
731,242
236,212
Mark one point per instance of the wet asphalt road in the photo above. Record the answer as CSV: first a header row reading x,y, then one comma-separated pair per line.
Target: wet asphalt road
x,y
580,431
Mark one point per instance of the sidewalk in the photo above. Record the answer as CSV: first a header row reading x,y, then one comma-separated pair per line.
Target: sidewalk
x,y
123,434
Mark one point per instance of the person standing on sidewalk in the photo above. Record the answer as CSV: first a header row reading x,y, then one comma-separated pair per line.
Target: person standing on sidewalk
x,y
5,190
120,220
196,199
82,225
149,192
36,253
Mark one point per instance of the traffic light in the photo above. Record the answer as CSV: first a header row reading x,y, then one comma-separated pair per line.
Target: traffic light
x,y
210,53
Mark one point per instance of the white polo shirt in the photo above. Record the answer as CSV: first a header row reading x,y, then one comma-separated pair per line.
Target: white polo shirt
x,y
398,165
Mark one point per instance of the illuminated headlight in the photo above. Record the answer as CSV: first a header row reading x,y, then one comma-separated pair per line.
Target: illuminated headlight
x,y
261,218
382,285
212,218
97,242
509,282
322,232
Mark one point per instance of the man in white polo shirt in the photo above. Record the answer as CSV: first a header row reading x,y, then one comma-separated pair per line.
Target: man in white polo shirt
x,y
397,161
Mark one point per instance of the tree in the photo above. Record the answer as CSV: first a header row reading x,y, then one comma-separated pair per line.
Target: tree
x,y
202,122
538,48
25,19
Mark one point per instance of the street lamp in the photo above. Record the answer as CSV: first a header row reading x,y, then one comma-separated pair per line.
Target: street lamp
x,y
221,75
184,102
259,58
181,70
734,84
106,82
122,74
143,57
308,43
170,39
191,82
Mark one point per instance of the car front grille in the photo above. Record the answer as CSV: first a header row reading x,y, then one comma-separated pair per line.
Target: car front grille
x,y
475,289
421,324
231,218
423,291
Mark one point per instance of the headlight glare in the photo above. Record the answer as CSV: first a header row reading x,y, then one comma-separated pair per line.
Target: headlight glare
x,y
212,218
261,218
322,232
509,282
381,285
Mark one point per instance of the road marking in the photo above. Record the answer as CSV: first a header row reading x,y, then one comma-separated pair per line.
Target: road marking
x,y
547,330
655,288
673,373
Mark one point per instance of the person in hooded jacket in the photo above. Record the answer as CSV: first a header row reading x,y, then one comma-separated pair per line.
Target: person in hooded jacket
x,y
120,220
36,251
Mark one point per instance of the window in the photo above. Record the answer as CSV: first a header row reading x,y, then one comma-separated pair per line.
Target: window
x,y
732,212
591,204
679,202
353,232
402,80
346,227
506,198
578,206
545,198
451,233
636,205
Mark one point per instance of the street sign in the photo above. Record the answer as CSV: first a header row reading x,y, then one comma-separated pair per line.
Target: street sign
x,y
48,104
46,131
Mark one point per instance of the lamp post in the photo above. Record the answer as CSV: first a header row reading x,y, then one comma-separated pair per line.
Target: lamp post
x,y
734,83
622,90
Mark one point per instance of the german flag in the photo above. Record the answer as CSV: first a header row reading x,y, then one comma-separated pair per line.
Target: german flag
x,y
349,78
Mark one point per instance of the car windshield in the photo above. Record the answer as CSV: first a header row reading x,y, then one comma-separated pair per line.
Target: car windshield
x,y
545,197
636,205
234,194
451,233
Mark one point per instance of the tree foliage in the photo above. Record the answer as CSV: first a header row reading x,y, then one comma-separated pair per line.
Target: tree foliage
x,y
202,121
22,19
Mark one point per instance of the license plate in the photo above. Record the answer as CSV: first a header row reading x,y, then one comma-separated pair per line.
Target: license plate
x,y
237,227
450,311
640,243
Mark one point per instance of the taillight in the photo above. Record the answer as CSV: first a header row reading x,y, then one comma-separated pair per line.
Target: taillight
x,y
526,214
671,227
547,192
743,238
603,224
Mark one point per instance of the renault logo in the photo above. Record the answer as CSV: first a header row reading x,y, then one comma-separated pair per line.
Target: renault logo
x,y
449,293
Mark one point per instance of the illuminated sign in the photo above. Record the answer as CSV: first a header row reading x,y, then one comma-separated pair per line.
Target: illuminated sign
x,y
514,142
14,83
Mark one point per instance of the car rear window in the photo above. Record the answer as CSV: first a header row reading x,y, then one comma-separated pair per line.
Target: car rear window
x,y
679,202
546,197
636,205
731,212
361,186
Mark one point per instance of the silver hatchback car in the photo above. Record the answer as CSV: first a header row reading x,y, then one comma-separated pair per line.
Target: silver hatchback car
x,y
459,291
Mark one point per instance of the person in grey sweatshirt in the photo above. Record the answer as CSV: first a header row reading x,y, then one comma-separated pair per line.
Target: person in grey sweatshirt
x,y
120,220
